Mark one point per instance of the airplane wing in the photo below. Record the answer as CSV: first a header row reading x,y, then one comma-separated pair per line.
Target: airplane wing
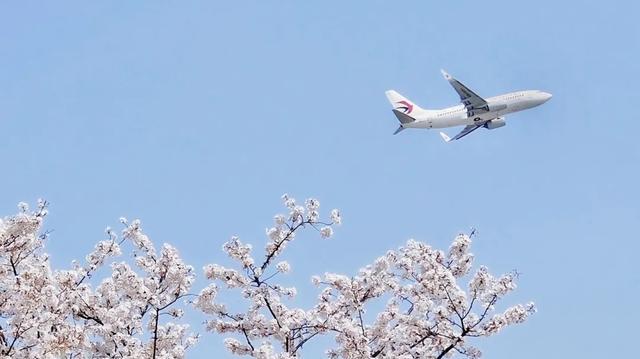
x,y
465,131
475,104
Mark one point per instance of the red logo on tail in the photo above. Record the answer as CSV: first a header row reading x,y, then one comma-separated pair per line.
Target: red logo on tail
x,y
406,107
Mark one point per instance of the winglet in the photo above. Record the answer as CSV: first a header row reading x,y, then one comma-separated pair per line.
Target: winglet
x,y
446,75
445,137
399,129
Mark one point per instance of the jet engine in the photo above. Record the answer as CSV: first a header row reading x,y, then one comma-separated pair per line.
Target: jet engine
x,y
495,123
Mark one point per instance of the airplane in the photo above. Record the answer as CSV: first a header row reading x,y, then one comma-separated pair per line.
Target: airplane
x,y
474,112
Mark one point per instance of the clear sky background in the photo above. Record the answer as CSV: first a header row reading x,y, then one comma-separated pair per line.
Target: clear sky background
x,y
197,116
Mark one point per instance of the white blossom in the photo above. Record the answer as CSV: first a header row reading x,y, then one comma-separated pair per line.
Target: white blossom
x,y
72,313
335,216
126,298
23,207
326,232
283,267
424,315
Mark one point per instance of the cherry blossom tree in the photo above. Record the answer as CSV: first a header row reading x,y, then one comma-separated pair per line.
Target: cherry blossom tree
x,y
428,312
54,314
413,302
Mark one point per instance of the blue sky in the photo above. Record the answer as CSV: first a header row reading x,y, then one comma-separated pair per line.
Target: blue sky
x,y
197,116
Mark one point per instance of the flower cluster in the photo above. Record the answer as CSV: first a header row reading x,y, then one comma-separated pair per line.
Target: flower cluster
x,y
68,313
427,313
267,319
415,301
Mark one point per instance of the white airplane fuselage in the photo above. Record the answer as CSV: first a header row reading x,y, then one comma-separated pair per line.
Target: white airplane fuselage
x,y
499,106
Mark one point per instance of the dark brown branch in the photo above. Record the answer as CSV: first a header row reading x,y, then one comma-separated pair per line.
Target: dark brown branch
x,y
453,305
361,322
273,314
85,316
246,336
155,334
448,349
13,266
279,244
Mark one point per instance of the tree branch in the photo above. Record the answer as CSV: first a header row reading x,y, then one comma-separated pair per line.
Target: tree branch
x,y
155,333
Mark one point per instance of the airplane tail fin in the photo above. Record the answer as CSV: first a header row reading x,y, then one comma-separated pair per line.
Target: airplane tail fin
x,y
403,108
402,104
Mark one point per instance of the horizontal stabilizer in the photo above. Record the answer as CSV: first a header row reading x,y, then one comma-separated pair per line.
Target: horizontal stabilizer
x,y
400,128
402,117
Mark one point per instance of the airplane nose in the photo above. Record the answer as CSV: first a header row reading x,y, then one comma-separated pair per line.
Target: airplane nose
x,y
546,96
